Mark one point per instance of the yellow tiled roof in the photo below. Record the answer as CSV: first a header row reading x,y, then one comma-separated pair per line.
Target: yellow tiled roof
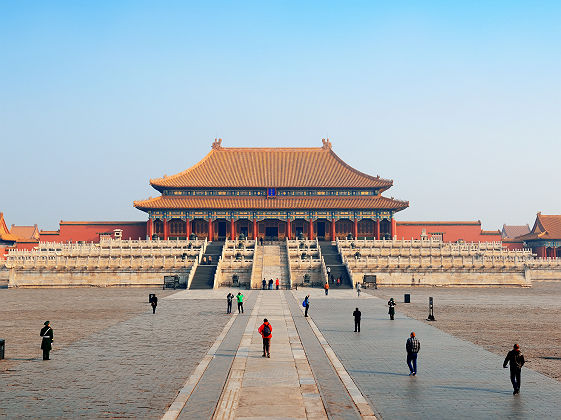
x,y
545,227
5,234
278,203
25,232
306,167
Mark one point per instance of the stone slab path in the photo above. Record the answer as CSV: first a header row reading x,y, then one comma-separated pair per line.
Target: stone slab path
x,y
456,379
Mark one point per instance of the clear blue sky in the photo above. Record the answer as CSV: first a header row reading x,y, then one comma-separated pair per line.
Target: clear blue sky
x,y
458,102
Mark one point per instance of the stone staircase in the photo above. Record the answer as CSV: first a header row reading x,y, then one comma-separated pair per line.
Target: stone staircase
x,y
271,262
257,272
204,276
332,259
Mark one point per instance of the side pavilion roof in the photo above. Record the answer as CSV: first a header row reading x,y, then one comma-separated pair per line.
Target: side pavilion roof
x,y
298,167
545,227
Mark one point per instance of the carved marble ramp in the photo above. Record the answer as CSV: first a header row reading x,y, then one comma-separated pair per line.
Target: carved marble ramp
x,y
282,387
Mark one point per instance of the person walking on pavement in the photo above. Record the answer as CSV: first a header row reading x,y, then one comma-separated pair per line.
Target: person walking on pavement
x,y
328,271
264,283
270,284
306,304
412,346
229,299
326,287
277,283
357,316
46,339
391,311
358,288
153,303
239,297
266,331
516,360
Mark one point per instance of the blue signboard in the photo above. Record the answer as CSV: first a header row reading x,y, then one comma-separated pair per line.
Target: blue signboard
x,y
271,192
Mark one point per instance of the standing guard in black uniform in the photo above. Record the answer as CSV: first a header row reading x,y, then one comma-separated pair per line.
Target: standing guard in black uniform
x,y
47,340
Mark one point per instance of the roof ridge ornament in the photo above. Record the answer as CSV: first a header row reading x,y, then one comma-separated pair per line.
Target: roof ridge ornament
x,y
326,144
217,144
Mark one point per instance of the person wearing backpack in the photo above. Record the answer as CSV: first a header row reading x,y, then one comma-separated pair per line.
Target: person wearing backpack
x,y
413,346
516,360
306,304
266,331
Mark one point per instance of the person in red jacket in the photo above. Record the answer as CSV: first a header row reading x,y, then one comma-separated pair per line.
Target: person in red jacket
x,y
277,283
266,331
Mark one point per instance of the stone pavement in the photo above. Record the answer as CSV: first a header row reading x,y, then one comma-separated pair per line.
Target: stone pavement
x,y
132,369
456,379
135,368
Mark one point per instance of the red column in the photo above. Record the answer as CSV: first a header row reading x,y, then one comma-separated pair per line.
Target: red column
x,y
355,228
311,230
187,228
150,228
232,230
333,234
166,229
288,229
210,229
255,229
394,228
377,228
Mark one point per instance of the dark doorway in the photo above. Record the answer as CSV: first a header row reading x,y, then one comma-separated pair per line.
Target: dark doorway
x,y
244,230
271,233
321,230
221,230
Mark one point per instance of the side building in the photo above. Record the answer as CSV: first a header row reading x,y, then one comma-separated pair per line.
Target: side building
x,y
271,193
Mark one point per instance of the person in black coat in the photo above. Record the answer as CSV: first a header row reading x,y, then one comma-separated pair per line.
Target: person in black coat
x,y
46,339
516,360
154,303
357,316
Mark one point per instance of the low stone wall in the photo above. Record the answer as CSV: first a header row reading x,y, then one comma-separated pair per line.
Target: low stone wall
x,y
297,275
447,278
244,277
545,274
90,278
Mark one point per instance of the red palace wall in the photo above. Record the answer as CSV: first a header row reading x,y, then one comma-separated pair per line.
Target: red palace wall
x,y
450,231
89,231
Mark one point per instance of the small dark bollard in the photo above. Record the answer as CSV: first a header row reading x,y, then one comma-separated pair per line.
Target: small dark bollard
x,y
2,348
407,298
431,310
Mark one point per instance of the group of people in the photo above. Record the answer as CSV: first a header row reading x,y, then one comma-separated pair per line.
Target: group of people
x,y
230,298
269,285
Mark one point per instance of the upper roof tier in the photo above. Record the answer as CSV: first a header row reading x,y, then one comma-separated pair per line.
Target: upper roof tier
x,y
295,167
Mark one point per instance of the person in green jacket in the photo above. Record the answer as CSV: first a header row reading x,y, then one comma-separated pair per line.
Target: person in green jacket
x,y
239,297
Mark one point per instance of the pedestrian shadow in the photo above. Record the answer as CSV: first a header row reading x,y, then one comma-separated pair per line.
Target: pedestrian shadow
x,y
470,388
375,372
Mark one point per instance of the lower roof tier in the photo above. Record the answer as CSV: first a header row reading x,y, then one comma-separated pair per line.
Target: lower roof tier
x,y
277,203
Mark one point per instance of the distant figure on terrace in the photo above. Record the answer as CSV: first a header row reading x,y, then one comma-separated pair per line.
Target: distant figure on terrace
x,y
277,283
264,283
338,281
358,288
270,284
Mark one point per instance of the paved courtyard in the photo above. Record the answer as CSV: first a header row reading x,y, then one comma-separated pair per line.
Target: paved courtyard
x,y
191,360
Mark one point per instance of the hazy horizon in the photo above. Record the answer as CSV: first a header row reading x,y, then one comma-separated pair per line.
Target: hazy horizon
x,y
458,103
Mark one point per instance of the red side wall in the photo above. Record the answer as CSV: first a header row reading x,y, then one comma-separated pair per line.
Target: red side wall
x,y
89,231
511,245
451,231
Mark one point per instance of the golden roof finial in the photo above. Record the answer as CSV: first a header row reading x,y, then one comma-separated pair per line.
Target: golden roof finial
x,y
326,143
217,144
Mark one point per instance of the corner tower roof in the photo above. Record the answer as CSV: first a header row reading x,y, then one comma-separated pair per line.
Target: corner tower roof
x,y
297,167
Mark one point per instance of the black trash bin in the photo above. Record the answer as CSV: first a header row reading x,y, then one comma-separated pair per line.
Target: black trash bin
x,y
407,298
2,347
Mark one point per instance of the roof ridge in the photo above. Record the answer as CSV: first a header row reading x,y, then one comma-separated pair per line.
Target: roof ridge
x,y
376,178
196,165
